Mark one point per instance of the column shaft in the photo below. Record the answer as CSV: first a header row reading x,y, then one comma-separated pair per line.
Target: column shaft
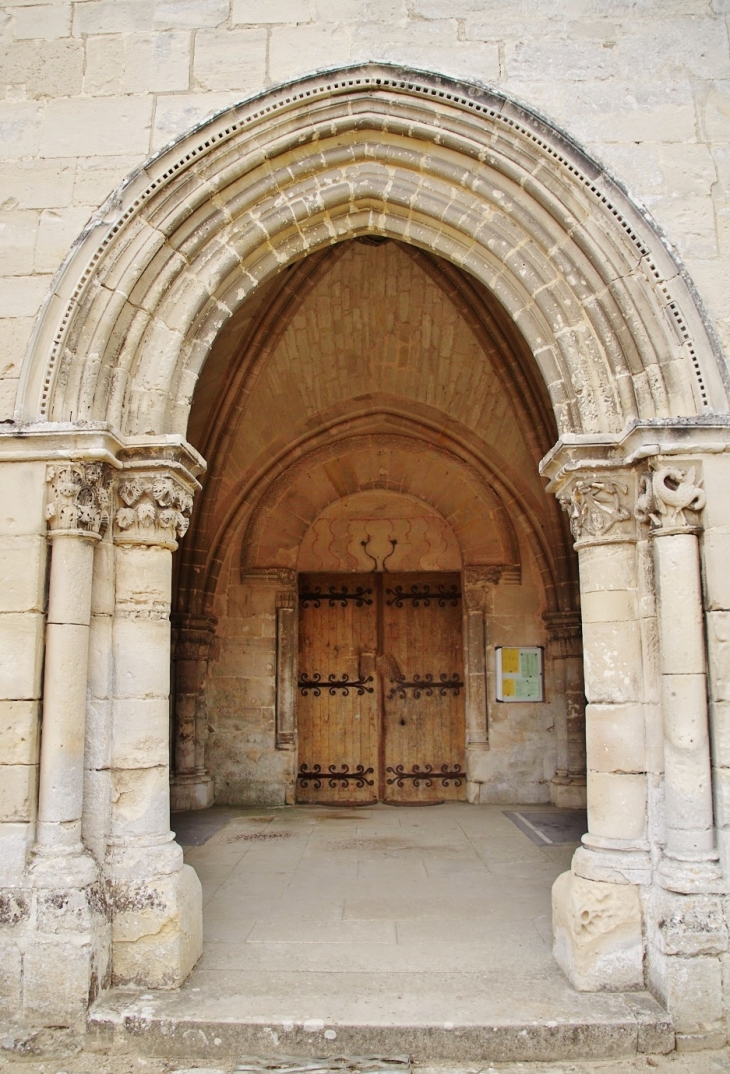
x,y
688,785
615,748
60,801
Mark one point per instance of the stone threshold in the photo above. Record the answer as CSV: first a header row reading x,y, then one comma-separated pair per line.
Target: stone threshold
x,y
181,1024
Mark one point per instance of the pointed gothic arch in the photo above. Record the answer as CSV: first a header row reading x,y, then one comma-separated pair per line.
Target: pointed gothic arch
x,y
609,315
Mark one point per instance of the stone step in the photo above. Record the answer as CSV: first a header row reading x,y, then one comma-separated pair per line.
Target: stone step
x,y
193,1025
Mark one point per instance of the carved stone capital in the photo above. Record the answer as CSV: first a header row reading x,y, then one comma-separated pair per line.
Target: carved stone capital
x,y
482,576
78,498
474,598
665,494
152,509
286,598
564,633
595,504
193,636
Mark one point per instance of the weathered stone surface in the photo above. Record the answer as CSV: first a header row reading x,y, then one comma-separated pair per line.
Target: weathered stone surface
x,y
157,932
598,933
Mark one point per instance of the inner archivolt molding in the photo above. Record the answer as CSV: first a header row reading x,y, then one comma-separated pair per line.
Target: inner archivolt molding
x,y
220,428
609,317
255,505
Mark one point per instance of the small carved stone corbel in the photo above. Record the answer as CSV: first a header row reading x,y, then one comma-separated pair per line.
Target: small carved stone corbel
x,y
666,494
78,498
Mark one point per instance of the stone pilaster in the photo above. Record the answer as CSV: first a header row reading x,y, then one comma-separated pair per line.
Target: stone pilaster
x,y
157,926
191,786
476,582
565,651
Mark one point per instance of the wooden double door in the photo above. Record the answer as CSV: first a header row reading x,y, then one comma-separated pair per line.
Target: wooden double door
x,y
380,699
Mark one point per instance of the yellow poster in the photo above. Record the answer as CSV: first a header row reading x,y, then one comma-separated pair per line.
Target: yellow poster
x,y
510,661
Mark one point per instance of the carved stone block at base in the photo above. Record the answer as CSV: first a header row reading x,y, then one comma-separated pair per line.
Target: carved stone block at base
x,y
191,792
597,934
568,795
157,933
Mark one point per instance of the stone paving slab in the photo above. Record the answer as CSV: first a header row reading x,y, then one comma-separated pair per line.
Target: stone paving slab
x,y
379,930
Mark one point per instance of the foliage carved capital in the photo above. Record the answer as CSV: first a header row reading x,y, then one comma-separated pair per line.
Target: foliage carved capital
x,y
152,510
78,498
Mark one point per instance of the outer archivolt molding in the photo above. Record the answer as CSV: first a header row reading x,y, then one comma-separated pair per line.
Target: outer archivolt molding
x,y
537,155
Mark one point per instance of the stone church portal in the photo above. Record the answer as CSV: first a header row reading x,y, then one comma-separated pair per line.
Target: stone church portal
x,y
352,386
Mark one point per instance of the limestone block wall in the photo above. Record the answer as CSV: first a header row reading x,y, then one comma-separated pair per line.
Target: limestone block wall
x,y
91,88
241,698
23,554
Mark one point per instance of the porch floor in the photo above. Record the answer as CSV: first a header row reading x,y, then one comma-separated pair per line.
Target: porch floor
x,y
391,930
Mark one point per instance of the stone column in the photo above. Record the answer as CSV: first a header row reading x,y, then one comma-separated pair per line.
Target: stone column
x,y
191,787
476,581
690,857
565,649
596,907
685,928
157,904
70,962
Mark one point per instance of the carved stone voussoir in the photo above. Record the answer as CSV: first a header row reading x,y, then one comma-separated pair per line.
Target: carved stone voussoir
x,y
664,496
595,505
78,498
152,509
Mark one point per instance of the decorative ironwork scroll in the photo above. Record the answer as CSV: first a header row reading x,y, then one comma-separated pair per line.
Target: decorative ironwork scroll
x,y
334,596
333,777
426,685
421,596
333,684
426,775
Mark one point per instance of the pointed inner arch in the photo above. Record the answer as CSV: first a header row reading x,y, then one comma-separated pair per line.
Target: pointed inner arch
x,y
372,373
610,321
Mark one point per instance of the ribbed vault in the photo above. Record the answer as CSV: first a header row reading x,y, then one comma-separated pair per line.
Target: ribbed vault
x,y
604,309
371,366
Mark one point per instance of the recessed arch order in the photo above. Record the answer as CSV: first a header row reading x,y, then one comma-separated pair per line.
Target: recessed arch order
x,y
611,319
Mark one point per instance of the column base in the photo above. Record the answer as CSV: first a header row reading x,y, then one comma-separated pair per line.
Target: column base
x,y
686,952
612,865
567,794
193,791
597,934
67,943
157,929
703,875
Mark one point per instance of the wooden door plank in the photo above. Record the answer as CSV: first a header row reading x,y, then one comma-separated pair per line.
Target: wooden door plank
x,y
424,732
336,712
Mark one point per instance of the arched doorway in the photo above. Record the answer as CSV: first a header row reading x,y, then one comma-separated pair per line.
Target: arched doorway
x,y
379,427
606,346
